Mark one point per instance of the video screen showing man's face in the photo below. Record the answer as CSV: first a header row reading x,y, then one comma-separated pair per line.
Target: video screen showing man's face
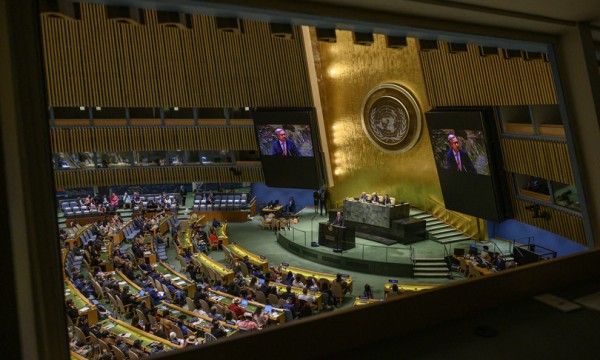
x,y
285,140
460,150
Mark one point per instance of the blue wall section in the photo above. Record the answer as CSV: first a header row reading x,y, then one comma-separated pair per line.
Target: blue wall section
x,y
512,229
264,194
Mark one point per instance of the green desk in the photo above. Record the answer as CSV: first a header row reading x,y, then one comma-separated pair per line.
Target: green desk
x,y
85,307
217,297
315,274
256,260
133,288
201,323
362,302
222,270
118,328
177,279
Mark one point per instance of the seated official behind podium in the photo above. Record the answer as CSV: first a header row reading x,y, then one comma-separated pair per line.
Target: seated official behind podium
x,y
364,197
375,198
339,220
387,200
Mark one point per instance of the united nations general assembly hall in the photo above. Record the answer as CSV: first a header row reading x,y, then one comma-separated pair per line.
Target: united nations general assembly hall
x,y
328,179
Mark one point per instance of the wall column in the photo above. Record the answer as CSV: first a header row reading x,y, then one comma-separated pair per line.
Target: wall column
x,y
578,88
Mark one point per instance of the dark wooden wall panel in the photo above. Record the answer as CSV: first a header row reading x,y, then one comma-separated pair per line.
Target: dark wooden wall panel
x,y
156,175
97,62
469,79
120,139
548,159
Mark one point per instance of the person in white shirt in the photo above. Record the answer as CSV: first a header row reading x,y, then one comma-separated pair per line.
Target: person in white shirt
x,y
306,297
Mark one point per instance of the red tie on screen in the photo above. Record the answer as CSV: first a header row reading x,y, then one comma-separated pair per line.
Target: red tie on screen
x,y
458,162
284,149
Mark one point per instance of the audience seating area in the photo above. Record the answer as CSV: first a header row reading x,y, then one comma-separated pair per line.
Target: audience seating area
x,y
71,208
222,202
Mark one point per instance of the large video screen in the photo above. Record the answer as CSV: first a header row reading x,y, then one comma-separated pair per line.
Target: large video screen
x,y
462,142
286,141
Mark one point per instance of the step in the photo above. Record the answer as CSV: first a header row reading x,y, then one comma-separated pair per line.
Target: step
x,y
433,220
453,239
430,259
448,234
429,269
445,230
431,264
424,216
438,274
436,227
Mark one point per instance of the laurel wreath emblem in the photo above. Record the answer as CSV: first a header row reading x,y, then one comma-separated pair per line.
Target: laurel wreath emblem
x,y
389,124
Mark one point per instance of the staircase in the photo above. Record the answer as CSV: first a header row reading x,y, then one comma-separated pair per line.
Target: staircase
x,y
434,267
440,231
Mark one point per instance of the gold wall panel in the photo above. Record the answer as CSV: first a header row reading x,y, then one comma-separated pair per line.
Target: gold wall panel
x,y
469,79
165,175
548,159
119,139
564,223
347,73
97,62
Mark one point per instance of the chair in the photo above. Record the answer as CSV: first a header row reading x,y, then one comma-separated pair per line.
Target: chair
x,y
103,345
209,338
123,309
473,272
177,330
463,266
228,256
244,268
152,320
280,303
93,338
211,274
260,297
275,224
288,315
113,302
265,223
273,299
284,224
118,353
182,262
190,303
220,309
338,292
323,280
168,293
214,241
80,335
132,355
204,305
141,316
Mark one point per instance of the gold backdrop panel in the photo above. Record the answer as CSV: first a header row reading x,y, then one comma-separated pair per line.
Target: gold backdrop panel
x,y
349,72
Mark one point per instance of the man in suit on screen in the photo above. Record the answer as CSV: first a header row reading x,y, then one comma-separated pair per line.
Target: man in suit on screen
x,y
458,159
284,146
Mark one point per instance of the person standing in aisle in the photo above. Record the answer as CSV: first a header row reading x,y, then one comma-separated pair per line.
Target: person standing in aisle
x,y
323,200
183,193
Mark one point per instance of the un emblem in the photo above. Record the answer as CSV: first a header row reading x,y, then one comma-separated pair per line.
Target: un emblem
x,y
391,118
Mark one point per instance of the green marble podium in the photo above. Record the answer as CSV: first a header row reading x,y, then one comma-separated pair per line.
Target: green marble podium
x,y
374,214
